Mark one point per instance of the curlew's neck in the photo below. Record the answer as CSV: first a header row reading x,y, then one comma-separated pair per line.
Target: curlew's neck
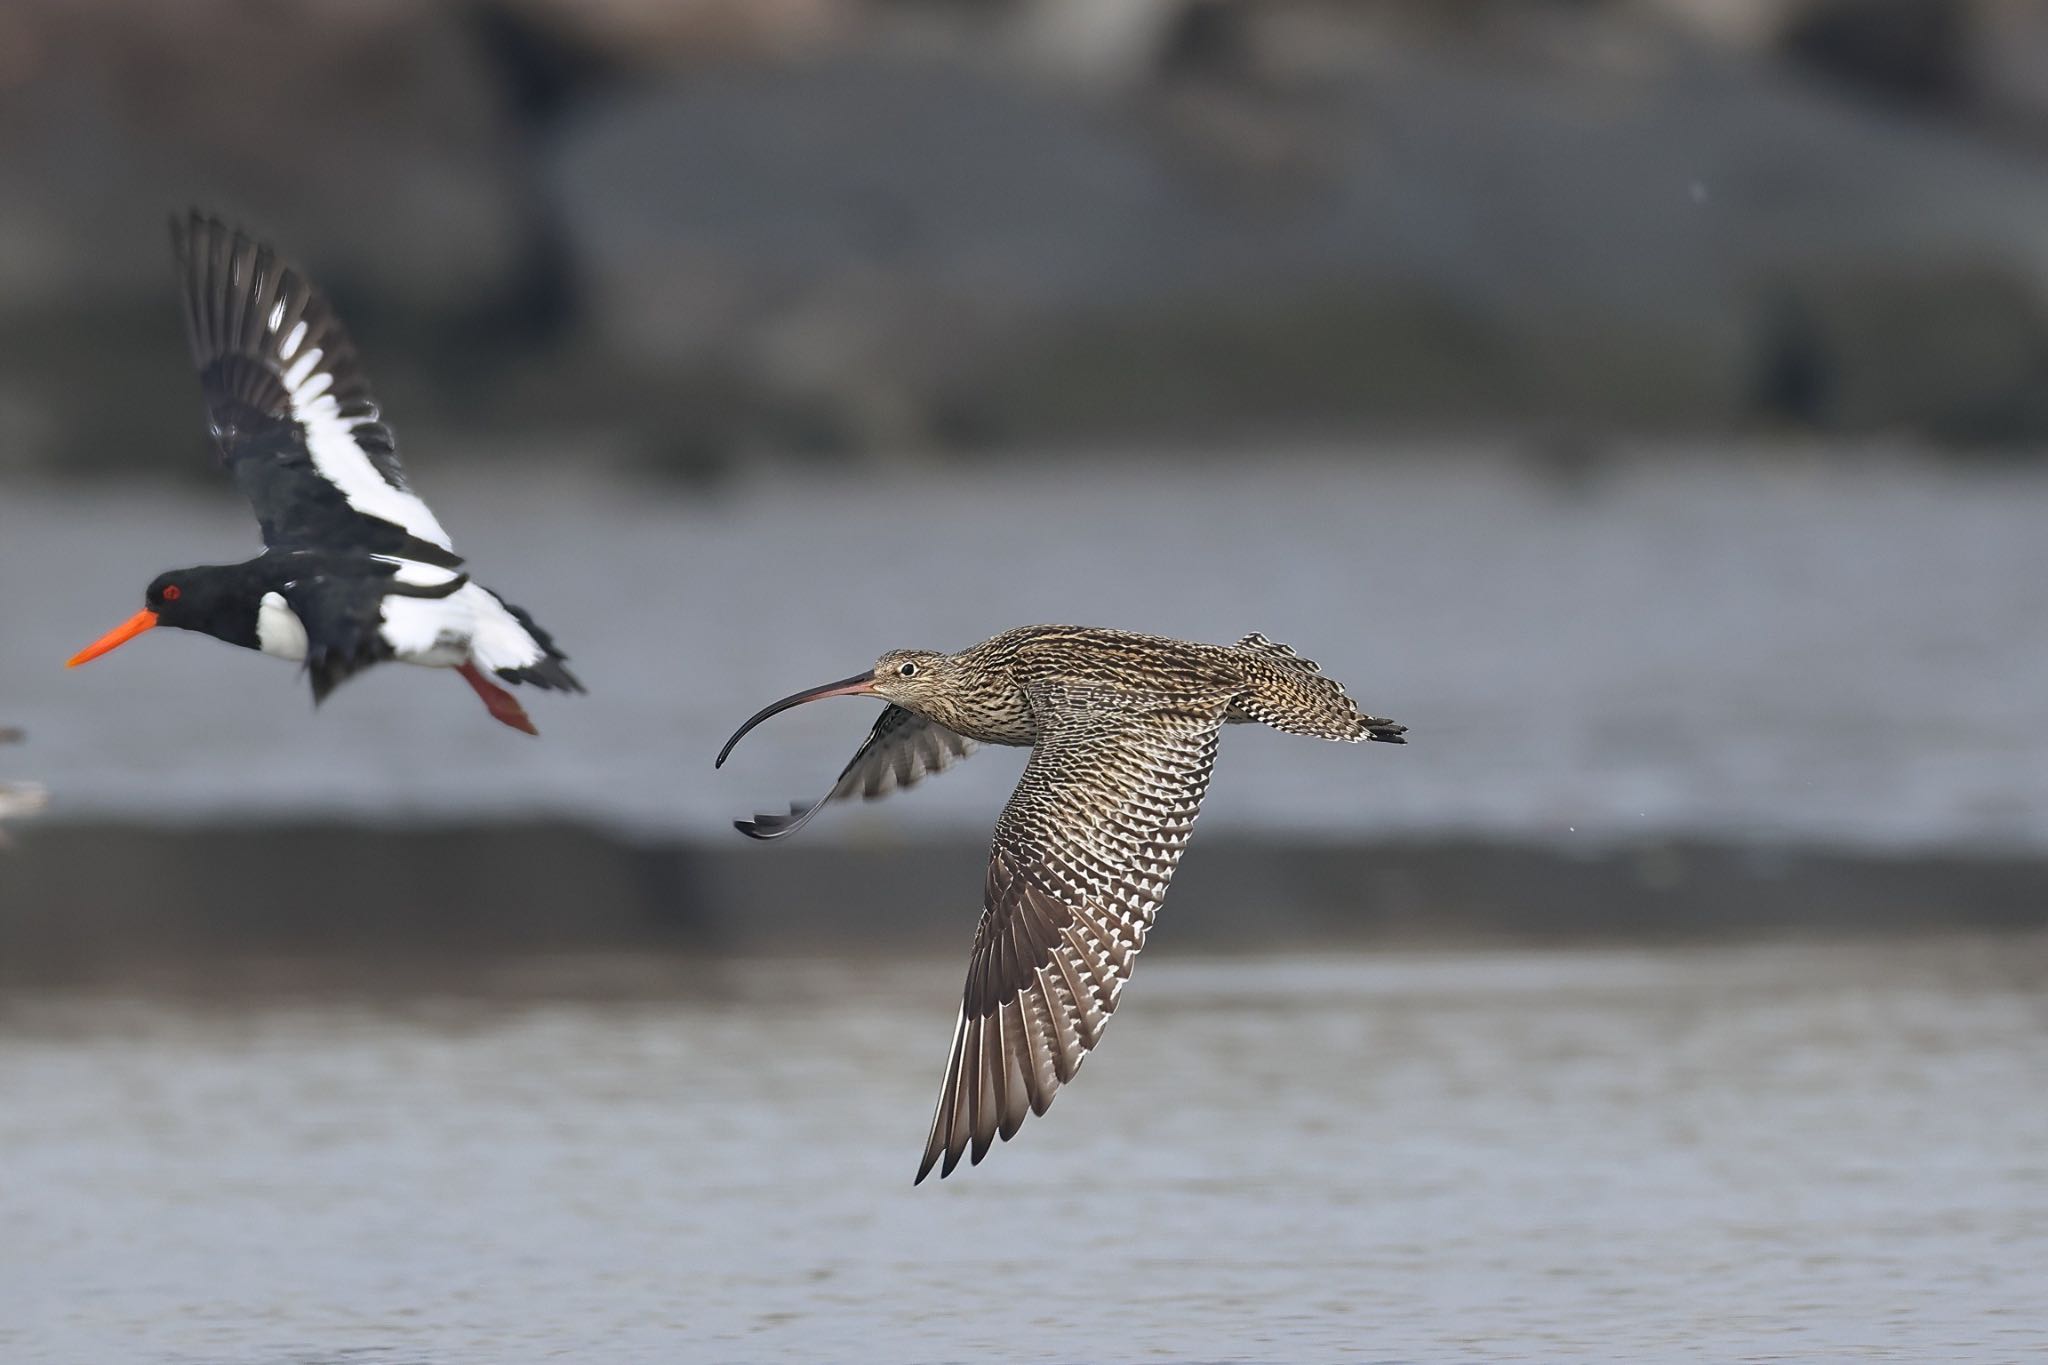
x,y
983,703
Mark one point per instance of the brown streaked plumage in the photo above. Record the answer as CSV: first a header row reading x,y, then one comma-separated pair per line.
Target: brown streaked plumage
x,y
1123,730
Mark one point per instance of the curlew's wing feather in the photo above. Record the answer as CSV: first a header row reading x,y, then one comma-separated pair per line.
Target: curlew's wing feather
x,y
289,406
1082,857
900,751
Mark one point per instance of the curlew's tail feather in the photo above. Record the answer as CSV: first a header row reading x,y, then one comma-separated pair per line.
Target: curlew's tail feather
x,y
1291,694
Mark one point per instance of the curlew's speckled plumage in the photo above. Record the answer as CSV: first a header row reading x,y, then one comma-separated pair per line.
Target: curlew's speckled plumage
x,y
1123,730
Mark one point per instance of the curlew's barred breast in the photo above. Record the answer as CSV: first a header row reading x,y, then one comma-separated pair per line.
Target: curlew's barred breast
x,y
1123,730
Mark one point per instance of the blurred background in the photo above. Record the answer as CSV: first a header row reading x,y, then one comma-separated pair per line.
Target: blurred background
x,y
1642,400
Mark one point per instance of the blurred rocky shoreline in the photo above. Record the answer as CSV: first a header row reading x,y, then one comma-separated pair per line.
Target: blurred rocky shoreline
x,y
120,904
682,233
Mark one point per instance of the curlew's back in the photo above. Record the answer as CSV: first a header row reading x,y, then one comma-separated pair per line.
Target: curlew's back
x,y
1260,679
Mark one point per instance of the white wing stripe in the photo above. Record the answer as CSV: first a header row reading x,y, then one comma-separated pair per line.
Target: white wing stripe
x,y
415,574
296,375
330,439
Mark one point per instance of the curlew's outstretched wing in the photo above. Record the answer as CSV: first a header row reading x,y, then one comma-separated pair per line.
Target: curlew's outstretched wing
x,y
900,751
1082,856
289,406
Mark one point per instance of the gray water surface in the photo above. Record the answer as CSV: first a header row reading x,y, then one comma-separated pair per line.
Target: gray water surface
x,y
1796,1152
1843,653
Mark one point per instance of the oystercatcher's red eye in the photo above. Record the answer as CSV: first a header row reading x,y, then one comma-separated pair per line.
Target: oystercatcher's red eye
x,y
173,593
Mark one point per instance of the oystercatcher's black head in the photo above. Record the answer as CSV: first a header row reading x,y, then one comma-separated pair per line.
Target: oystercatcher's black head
x,y
216,600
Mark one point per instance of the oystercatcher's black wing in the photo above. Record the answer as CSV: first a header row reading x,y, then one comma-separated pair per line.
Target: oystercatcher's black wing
x,y
289,405
341,607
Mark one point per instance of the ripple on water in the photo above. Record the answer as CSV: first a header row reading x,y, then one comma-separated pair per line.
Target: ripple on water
x,y
1795,1151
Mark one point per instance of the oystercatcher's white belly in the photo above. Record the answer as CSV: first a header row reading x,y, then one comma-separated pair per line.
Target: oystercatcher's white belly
x,y
279,631
469,623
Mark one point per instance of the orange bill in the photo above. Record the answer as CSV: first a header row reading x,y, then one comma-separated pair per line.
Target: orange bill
x,y
115,638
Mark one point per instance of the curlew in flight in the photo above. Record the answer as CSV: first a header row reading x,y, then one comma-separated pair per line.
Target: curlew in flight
x,y
1123,730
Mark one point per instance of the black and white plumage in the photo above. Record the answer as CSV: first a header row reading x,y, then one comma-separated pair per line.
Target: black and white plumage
x,y
289,406
357,570
1123,730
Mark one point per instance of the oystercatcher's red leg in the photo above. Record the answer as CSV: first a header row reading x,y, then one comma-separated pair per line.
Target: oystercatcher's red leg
x,y
503,706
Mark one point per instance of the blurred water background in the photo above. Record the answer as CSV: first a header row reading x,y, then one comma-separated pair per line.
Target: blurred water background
x,y
1642,400
1722,1153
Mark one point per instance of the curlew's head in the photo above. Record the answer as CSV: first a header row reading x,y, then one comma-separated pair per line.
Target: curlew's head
x,y
903,676
921,680
916,678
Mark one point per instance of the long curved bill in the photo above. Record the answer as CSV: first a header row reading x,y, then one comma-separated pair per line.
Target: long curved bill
x,y
115,638
860,684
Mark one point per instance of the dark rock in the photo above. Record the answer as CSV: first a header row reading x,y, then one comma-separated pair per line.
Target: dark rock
x,y
763,231
1461,244
1956,350
1912,50
368,141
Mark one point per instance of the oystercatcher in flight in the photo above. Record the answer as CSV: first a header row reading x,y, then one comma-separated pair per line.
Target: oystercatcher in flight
x,y
356,569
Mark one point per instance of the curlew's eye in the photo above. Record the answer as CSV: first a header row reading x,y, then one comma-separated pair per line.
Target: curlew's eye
x,y
173,593
907,670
